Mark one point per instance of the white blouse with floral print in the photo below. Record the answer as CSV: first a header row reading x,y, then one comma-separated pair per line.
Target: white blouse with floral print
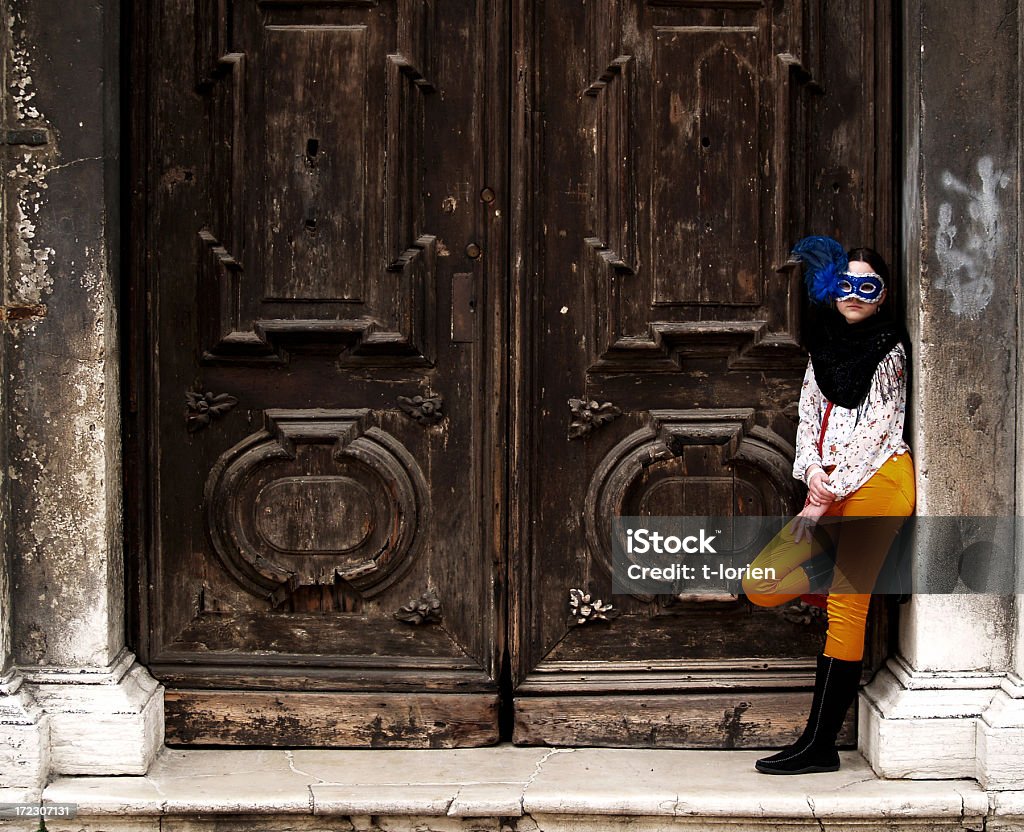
x,y
858,442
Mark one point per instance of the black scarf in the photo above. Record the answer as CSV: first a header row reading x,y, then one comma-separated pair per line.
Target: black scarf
x,y
845,356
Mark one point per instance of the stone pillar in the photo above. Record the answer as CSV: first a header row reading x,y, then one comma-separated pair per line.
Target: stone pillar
x,y
1000,738
24,728
62,286
921,715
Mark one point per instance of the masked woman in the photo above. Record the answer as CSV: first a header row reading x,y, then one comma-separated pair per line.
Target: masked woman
x,y
851,454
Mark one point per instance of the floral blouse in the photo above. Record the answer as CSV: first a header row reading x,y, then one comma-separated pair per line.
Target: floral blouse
x,y
858,442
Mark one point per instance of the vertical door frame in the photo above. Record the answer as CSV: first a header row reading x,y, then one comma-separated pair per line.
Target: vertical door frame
x,y
525,257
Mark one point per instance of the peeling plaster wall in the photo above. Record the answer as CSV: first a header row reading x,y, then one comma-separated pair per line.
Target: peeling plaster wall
x,y
62,366
961,240
969,183
5,513
5,598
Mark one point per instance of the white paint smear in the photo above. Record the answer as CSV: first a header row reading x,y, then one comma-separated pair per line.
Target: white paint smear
x,y
967,244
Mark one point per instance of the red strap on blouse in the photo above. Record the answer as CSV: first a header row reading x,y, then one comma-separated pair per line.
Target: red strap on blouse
x,y
824,425
821,441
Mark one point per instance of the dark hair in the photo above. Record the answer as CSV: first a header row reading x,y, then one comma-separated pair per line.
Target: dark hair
x,y
891,307
873,259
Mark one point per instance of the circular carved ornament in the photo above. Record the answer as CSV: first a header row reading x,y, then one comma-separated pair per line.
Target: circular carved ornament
x,y
627,481
314,496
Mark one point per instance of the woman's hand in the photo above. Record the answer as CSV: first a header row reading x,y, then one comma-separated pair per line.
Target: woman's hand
x,y
817,494
802,526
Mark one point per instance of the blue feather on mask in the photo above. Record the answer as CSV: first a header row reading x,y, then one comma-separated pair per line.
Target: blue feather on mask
x,y
824,260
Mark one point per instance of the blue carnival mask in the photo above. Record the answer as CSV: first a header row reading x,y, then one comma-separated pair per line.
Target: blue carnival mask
x,y
866,286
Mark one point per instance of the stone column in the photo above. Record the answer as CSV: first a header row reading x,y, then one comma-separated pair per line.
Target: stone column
x,y
63,198
1000,738
24,728
920,716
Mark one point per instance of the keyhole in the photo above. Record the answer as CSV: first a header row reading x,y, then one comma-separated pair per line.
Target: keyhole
x,y
312,148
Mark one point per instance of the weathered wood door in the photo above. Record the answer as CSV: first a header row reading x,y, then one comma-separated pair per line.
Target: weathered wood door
x,y
679,148
378,246
318,284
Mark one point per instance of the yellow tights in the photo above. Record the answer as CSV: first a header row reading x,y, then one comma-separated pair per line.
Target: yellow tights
x,y
860,549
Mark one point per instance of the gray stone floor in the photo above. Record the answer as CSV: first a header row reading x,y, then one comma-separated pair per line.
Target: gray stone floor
x,y
507,789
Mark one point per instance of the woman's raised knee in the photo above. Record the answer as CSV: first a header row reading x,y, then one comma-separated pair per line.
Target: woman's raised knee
x,y
764,593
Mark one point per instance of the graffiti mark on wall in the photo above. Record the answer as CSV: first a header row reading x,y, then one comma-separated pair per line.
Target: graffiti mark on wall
x,y
968,243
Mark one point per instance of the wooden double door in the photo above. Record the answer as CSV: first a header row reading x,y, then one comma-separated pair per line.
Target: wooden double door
x,y
421,294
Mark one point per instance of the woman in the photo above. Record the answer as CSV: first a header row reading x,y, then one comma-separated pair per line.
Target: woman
x,y
851,454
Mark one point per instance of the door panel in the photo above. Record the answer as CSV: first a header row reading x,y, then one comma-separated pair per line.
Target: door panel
x,y
682,147
399,340
315,389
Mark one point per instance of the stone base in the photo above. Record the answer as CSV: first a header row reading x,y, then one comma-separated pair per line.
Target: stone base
x,y
102,720
25,797
506,789
923,725
1000,742
24,737
1007,812
527,823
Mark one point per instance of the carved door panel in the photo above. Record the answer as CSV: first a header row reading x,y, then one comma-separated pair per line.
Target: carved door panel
x,y
318,233
679,148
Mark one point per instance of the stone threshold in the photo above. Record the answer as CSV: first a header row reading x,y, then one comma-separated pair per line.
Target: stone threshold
x,y
511,789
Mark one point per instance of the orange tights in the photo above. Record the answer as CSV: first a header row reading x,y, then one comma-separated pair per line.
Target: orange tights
x,y
860,549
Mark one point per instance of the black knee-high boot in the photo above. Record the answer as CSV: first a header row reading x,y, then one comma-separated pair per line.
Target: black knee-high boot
x,y
835,688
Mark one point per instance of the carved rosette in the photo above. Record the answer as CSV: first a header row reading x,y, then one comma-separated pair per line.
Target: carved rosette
x,y
202,408
423,610
427,410
587,416
584,609
315,495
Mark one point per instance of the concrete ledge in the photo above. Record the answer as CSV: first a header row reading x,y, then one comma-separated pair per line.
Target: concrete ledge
x,y
509,789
